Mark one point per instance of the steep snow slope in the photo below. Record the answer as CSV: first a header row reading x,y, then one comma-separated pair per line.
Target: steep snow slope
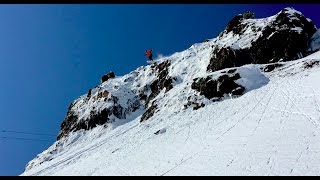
x,y
272,130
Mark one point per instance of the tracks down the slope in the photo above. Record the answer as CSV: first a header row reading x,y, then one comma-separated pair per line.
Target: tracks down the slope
x,y
79,153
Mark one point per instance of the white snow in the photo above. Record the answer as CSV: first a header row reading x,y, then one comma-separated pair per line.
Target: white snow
x,y
297,29
246,38
273,129
251,77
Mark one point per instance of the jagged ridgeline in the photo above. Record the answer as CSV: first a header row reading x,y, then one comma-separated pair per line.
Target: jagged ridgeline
x,y
204,73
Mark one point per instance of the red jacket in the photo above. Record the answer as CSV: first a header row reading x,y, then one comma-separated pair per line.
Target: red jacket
x,y
148,53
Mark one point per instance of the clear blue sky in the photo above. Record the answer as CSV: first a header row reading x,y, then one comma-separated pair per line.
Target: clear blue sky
x,y
52,54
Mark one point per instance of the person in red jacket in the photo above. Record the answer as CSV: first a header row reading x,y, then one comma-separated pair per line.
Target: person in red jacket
x,y
149,54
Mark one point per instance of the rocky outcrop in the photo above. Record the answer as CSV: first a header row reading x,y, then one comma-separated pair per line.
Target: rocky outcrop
x,y
216,88
311,64
68,123
72,122
285,37
163,81
271,67
149,112
107,76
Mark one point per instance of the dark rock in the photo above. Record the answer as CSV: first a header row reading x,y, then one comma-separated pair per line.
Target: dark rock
x,y
238,91
217,88
198,106
207,87
279,42
235,77
271,67
143,97
72,123
230,71
235,24
160,131
227,85
149,112
227,57
311,64
68,124
248,15
108,76
195,105
104,94
89,94
162,81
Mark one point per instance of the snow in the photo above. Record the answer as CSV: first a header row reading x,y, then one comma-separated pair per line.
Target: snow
x,y
273,129
251,77
315,41
245,40
297,29
292,11
253,31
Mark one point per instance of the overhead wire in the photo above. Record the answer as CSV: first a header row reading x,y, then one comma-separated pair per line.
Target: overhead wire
x,y
24,132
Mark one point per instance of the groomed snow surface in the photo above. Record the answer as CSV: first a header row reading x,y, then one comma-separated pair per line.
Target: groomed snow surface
x,y
273,129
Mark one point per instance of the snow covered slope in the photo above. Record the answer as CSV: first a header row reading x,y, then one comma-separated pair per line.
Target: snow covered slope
x,y
178,117
273,130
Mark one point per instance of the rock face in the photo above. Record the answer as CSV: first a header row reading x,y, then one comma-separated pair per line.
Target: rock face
x,y
282,37
96,117
163,81
217,88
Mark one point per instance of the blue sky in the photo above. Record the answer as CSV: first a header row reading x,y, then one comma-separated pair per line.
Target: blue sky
x,y
52,54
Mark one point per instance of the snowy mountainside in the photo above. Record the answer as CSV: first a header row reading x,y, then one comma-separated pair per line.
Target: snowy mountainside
x,y
170,116
272,130
245,40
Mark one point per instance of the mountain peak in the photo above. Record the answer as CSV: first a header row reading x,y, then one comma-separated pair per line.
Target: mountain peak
x,y
281,37
290,11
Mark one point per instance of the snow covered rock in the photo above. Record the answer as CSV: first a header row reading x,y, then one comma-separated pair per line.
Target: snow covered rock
x,y
234,82
107,76
217,88
281,37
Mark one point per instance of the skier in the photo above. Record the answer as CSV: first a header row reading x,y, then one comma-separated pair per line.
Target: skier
x,y
149,54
